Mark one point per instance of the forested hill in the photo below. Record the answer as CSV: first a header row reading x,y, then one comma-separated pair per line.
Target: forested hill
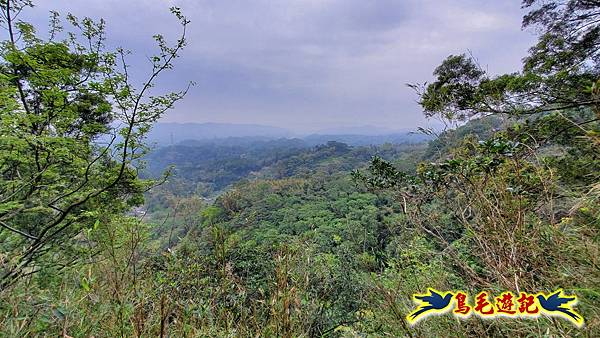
x,y
306,211
262,236
237,166
166,134
323,229
213,165
206,168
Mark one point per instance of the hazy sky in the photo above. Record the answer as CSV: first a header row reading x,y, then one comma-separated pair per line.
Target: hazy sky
x,y
308,64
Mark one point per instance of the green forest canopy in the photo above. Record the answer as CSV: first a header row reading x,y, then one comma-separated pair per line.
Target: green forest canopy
x,y
297,242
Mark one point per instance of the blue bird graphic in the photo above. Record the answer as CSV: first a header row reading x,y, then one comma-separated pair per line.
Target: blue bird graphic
x,y
430,302
555,302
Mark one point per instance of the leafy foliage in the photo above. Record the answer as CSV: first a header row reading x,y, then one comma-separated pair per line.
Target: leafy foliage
x,y
503,207
71,129
278,239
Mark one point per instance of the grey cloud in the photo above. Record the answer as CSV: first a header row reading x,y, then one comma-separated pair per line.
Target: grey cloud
x,y
310,64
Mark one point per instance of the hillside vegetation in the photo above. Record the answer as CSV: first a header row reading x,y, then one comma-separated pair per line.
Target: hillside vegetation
x,y
276,238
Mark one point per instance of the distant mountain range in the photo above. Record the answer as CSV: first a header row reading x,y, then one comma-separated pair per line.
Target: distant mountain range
x,y
362,130
164,134
173,133
365,140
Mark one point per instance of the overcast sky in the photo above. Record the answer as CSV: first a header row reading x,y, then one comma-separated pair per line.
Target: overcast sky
x,y
308,65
